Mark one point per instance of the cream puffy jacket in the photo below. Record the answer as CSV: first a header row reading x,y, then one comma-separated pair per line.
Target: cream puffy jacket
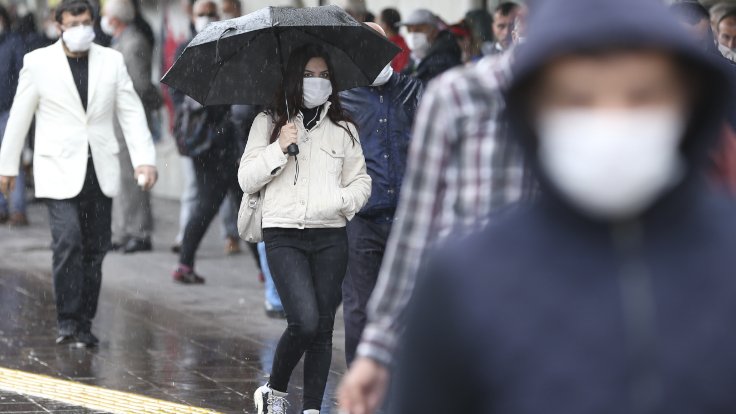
x,y
332,183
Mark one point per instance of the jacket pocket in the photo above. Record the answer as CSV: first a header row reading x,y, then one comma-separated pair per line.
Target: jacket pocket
x,y
334,160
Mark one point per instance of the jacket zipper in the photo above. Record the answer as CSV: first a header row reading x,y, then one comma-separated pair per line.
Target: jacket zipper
x,y
639,317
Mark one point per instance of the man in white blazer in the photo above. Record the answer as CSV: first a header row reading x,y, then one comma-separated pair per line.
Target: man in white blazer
x,y
75,89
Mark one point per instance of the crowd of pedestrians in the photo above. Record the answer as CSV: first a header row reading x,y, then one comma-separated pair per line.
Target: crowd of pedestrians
x,y
525,211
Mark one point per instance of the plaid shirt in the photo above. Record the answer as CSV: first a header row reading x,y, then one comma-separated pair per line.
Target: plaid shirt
x,y
460,169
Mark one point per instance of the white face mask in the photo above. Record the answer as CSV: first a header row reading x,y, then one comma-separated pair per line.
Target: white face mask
x,y
418,44
612,164
201,22
384,76
316,92
106,27
79,38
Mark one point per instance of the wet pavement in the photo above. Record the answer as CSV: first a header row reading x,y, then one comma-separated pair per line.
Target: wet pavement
x,y
208,346
11,403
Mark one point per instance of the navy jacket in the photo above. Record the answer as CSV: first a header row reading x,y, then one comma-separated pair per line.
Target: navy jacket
x,y
550,311
12,50
384,116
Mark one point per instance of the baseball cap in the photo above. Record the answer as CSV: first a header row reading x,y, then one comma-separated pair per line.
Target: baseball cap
x,y
419,16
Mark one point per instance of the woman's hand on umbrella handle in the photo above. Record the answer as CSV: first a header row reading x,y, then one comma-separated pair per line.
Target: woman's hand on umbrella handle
x,y
288,136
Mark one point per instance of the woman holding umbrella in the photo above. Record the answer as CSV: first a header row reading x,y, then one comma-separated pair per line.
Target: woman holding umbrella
x,y
308,196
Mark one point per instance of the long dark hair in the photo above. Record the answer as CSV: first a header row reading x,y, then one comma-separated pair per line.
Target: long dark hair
x,y
292,89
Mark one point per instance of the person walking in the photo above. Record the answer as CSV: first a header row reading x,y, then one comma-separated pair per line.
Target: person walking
x,y
384,113
307,199
433,50
215,169
632,272
76,164
132,214
12,208
203,13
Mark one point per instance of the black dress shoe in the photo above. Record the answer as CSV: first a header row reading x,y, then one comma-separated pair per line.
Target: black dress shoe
x,y
86,340
64,339
66,335
138,245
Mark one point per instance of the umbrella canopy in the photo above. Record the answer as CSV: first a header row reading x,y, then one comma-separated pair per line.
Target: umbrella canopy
x,y
241,61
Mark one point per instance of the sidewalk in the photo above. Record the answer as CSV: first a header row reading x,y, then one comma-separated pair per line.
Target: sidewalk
x,y
225,315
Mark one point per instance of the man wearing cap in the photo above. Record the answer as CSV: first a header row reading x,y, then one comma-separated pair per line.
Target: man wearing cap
x,y
433,50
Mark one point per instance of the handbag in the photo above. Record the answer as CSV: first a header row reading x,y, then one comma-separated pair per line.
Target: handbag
x,y
250,217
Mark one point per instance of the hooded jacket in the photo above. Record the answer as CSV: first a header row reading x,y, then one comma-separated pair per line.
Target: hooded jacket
x,y
548,311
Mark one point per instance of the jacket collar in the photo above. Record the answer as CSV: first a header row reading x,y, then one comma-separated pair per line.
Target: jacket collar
x,y
322,114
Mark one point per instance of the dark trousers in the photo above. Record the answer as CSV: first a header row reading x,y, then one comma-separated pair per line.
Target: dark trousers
x,y
367,244
308,267
81,231
215,178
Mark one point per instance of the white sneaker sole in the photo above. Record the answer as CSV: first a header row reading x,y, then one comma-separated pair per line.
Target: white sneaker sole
x,y
258,399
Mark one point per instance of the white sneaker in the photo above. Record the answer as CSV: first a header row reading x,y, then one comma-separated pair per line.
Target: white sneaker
x,y
311,411
270,401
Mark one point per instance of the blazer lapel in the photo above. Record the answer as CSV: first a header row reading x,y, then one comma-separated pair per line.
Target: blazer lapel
x,y
68,80
95,69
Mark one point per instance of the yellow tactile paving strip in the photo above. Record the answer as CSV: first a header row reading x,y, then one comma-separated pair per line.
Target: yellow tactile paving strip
x,y
94,398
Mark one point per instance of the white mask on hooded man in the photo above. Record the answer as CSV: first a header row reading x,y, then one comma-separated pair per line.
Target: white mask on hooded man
x,y
106,26
78,38
418,44
384,76
201,22
612,164
316,92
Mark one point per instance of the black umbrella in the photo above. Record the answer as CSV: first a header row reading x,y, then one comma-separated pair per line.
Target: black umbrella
x,y
241,61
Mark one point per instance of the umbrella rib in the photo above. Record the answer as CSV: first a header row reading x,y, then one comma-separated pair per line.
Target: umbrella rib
x,y
224,60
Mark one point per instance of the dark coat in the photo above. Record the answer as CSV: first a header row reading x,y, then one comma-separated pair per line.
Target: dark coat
x,y
12,50
384,116
444,54
548,311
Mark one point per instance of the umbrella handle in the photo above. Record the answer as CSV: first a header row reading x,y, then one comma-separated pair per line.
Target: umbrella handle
x,y
218,58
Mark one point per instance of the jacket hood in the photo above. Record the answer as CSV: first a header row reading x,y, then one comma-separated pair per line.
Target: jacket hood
x,y
558,28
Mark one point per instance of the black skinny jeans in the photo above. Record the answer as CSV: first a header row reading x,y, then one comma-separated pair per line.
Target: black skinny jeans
x,y
215,178
308,267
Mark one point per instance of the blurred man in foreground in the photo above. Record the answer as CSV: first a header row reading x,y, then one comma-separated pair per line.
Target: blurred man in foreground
x,y
619,308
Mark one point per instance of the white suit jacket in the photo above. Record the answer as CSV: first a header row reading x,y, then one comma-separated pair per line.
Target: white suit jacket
x,y
64,131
